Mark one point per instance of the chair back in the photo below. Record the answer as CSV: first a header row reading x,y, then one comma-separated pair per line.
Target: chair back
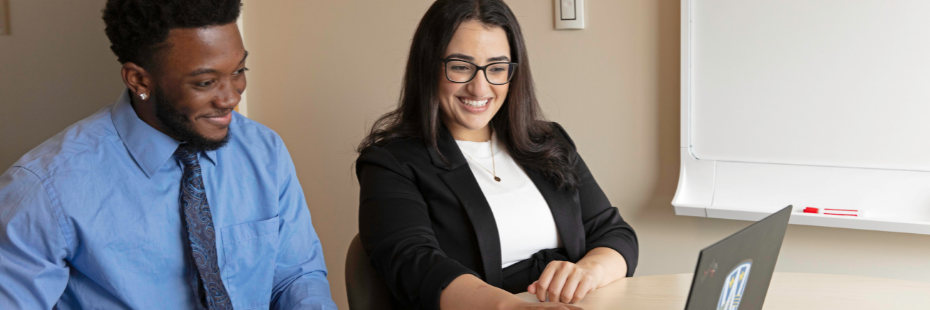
x,y
365,288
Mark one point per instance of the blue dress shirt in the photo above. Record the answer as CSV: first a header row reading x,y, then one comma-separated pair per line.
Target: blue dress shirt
x,y
90,220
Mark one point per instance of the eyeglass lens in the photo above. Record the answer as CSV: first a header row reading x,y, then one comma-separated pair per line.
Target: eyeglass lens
x,y
462,72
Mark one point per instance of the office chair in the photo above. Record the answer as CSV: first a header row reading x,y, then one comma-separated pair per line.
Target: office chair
x,y
365,288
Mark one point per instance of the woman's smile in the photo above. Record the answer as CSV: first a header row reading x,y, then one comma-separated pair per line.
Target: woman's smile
x,y
474,105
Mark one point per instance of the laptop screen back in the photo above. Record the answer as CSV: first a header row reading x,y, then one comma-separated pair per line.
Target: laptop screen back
x,y
734,273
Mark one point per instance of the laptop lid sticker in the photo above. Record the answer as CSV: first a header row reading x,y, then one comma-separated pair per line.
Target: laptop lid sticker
x,y
734,286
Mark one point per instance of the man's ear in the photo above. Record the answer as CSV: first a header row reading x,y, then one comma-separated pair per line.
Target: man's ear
x,y
138,80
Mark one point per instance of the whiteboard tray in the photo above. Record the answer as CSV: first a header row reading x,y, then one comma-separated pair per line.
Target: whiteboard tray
x,y
894,201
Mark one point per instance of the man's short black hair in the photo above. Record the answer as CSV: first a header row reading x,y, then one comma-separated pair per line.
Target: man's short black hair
x,y
138,28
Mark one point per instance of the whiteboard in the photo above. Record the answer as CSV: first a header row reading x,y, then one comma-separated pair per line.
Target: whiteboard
x,y
839,83
812,103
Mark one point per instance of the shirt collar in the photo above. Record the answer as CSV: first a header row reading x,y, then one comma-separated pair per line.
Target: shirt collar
x,y
149,147
211,156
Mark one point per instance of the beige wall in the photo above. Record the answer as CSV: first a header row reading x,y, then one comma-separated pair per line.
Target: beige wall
x,y
322,71
55,69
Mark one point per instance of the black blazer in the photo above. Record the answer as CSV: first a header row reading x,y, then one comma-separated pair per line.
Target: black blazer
x,y
424,223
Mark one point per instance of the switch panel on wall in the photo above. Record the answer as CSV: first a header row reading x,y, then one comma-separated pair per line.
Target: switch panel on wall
x,y
569,14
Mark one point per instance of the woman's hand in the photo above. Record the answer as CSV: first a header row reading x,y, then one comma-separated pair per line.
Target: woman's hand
x,y
467,292
566,282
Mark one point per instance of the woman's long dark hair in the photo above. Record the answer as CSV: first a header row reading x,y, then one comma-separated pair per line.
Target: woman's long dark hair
x,y
530,139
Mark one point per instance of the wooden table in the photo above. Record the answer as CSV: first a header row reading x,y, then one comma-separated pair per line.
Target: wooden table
x,y
787,291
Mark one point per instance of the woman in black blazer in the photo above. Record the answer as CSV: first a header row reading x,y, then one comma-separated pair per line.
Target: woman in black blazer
x,y
423,217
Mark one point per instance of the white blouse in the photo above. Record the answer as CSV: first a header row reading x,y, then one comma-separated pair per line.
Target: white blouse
x,y
524,221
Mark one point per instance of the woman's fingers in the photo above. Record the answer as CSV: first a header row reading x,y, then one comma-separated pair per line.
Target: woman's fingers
x,y
542,284
584,287
571,286
578,285
563,282
562,271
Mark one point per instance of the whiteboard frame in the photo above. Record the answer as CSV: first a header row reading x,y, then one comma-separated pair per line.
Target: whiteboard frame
x,y
698,179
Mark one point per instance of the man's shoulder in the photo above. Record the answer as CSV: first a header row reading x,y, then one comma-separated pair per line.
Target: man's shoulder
x,y
250,136
247,128
81,138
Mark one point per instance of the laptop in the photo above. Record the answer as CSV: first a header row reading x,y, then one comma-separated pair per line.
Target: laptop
x,y
734,273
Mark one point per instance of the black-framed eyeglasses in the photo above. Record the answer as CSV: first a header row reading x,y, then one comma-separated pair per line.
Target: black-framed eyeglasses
x,y
462,71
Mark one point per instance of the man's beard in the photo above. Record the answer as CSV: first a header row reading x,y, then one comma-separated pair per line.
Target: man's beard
x,y
179,126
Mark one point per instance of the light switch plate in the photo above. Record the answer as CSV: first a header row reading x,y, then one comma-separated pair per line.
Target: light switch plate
x,y
4,17
569,14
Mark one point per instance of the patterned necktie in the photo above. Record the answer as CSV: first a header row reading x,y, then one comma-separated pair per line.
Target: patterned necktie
x,y
200,232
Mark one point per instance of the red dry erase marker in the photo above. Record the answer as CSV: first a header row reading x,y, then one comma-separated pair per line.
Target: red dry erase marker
x,y
844,212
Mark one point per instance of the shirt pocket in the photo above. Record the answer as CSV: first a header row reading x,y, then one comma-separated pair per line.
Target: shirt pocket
x,y
249,252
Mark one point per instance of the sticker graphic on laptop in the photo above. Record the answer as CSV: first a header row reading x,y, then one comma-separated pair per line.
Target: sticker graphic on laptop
x,y
734,287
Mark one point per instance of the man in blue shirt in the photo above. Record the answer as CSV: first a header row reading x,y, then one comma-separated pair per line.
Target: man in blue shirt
x,y
166,199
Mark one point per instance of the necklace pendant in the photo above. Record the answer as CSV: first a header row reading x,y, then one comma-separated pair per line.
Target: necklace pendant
x,y
497,179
